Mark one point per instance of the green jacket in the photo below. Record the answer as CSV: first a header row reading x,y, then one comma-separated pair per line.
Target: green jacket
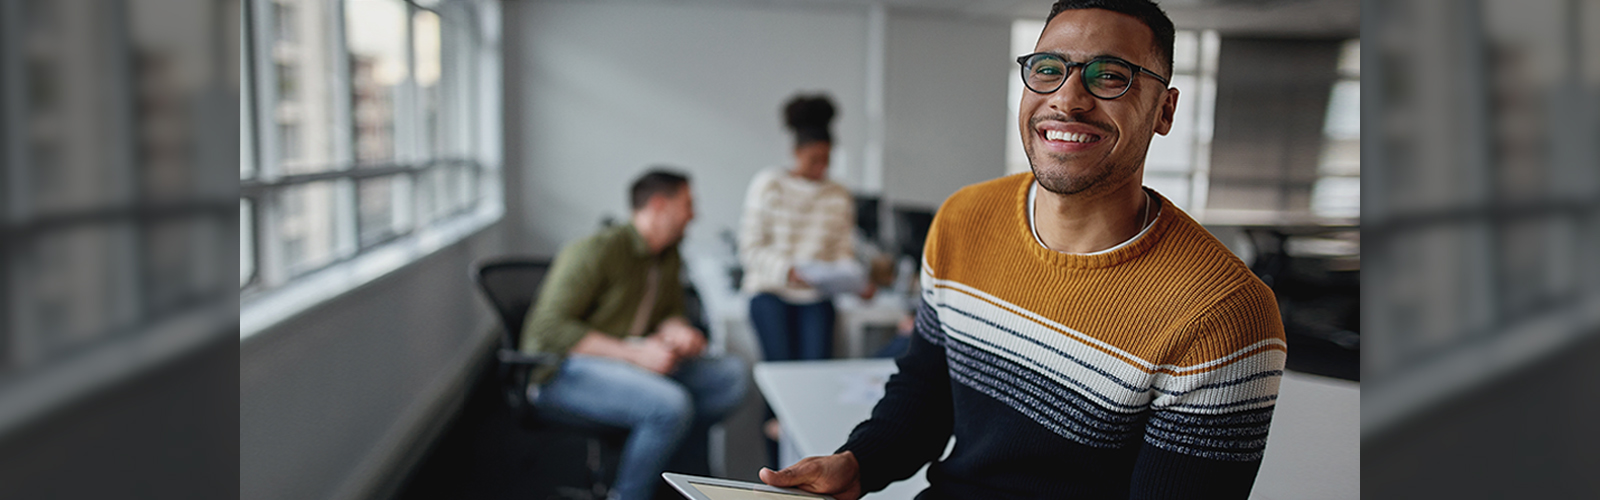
x,y
595,284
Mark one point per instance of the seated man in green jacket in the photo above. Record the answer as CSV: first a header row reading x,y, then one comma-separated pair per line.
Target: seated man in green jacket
x,y
614,306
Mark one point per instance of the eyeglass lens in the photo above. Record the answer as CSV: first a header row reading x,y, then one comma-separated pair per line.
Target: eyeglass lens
x,y
1104,78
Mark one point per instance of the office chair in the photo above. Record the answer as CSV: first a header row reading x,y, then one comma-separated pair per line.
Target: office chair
x,y
511,284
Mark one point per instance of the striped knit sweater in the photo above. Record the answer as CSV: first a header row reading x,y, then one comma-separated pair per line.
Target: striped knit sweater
x,y
789,220
1150,371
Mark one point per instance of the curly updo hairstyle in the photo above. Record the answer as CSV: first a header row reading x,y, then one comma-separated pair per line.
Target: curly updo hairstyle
x,y
809,117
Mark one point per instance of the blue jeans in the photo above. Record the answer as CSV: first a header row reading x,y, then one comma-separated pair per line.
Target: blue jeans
x,y
668,416
792,332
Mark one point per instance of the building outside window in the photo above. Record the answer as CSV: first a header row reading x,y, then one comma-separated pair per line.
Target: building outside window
x,y
377,155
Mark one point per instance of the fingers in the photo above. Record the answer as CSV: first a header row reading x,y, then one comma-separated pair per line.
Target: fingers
x,y
835,475
695,346
806,472
773,478
657,357
793,475
685,341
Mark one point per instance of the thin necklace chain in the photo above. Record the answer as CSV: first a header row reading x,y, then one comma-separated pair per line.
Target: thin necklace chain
x,y
1144,216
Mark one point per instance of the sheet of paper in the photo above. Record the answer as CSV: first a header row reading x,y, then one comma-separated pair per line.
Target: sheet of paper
x,y
833,278
863,388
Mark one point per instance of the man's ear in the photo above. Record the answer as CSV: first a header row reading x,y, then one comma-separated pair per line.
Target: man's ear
x,y
1169,107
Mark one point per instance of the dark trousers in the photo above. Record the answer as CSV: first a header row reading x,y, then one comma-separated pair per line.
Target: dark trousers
x,y
791,332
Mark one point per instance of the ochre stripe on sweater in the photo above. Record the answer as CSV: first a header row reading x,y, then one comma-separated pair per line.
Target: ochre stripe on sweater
x,y
1148,371
1134,307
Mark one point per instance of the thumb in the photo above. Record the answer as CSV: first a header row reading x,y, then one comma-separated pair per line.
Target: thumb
x,y
785,477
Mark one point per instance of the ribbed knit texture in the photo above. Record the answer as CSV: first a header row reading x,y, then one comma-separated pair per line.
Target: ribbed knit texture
x,y
790,220
1149,371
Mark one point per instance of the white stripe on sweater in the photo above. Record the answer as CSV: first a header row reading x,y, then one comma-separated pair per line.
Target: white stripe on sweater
x,y
789,220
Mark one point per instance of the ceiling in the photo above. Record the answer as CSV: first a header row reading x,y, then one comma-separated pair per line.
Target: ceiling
x,y
1288,18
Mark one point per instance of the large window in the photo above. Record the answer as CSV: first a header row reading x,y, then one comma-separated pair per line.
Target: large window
x,y
366,117
113,191
1337,192
1483,214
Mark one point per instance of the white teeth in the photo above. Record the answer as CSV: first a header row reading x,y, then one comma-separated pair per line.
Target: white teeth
x,y
1057,135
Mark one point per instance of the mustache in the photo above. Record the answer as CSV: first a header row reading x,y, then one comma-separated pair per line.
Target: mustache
x,y
1033,123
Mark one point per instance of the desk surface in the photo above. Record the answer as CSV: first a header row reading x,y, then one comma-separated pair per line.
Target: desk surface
x,y
1313,452
820,402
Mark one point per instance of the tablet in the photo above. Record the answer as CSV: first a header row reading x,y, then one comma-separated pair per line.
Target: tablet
x,y
710,488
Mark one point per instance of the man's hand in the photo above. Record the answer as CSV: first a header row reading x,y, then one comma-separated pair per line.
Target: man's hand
x,y
653,355
837,475
685,340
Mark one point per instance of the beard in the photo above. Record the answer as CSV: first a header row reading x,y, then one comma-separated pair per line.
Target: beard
x,y
1060,181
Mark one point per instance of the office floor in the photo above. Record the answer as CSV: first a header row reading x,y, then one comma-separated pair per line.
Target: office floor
x,y
484,454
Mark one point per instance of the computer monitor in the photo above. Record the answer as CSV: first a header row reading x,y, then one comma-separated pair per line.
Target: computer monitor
x,y
867,216
911,225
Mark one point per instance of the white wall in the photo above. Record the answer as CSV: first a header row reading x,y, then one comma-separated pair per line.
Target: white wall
x,y
945,121
607,89
332,402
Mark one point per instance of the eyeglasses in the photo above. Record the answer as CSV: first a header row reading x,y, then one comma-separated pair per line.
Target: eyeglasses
x,y
1104,77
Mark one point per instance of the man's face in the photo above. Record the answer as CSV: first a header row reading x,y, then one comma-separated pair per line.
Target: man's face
x,y
1098,144
678,210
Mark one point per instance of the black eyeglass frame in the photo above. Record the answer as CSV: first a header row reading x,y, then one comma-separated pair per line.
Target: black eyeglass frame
x,y
1023,61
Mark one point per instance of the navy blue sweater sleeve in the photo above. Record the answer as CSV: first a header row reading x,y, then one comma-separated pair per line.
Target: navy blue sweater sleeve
x,y
1220,465
911,424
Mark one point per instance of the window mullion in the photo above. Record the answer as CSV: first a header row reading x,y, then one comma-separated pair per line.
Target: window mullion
x,y
268,167
271,267
406,129
343,111
1204,105
129,270
10,120
346,239
406,108
249,151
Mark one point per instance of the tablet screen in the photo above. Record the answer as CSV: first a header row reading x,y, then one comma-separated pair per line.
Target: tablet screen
x,y
715,492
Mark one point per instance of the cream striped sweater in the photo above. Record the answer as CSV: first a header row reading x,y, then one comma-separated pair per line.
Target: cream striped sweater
x,y
1149,371
790,220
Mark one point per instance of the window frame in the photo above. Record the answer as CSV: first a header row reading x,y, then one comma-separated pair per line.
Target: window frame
x,y
42,371
274,292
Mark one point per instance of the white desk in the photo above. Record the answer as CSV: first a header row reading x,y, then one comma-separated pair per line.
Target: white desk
x,y
1314,447
820,402
855,315
1313,451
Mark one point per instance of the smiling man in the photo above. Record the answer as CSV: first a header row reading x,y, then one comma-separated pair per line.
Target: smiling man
x,y
1078,335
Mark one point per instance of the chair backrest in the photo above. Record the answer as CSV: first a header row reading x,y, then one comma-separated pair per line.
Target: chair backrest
x,y
512,286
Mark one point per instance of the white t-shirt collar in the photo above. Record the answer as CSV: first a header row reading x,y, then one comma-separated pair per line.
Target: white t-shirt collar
x,y
1033,195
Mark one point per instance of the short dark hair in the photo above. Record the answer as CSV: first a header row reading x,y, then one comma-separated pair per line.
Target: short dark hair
x,y
657,181
809,116
1145,11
